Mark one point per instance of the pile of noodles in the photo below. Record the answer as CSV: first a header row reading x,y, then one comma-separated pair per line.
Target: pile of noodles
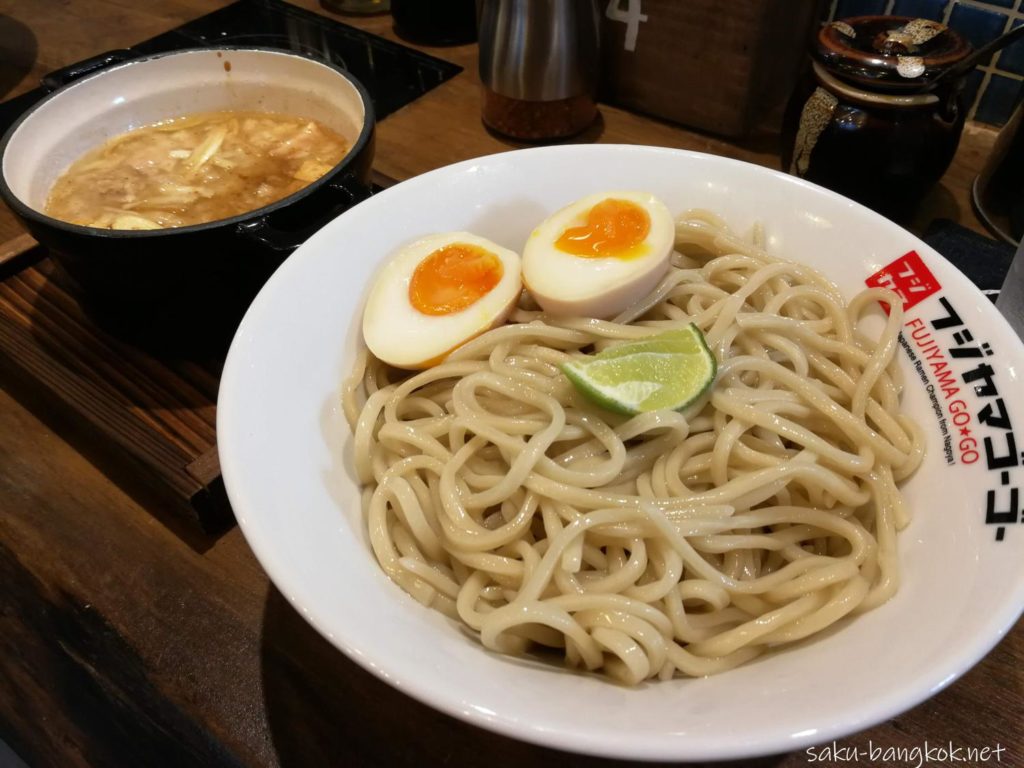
x,y
656,544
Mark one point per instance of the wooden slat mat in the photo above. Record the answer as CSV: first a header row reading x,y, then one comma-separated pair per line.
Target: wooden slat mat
x,y
159,414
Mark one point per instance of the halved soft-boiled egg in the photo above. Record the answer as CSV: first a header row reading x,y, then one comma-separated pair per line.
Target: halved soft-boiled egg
x,y
436,294
599,255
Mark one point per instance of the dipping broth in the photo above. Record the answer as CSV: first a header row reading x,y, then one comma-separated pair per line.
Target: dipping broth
x,y
194,169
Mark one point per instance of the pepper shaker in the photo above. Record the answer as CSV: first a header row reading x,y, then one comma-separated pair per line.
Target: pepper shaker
x,y
539,66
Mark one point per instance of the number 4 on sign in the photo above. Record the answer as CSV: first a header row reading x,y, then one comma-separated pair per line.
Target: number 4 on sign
x,y
631,17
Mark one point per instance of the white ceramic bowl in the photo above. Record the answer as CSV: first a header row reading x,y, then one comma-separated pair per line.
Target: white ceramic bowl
x,y
286,458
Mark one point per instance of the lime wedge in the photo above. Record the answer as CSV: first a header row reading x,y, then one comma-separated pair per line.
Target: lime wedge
x,y
671,370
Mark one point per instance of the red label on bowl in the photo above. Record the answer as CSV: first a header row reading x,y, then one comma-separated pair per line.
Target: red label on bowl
x,y
908,277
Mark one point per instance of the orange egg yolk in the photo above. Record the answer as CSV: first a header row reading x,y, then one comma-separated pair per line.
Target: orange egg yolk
x,y
614,228
453,278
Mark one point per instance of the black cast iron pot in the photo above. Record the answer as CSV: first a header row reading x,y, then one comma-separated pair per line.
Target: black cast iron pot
x,y
184,289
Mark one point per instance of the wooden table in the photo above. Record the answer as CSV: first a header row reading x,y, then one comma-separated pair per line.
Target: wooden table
x,y
129,638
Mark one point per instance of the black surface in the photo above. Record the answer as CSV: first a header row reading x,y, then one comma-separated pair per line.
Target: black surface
x,y
393,74
983,260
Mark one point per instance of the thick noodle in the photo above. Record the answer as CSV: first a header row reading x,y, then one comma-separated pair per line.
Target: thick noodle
x,y
654,545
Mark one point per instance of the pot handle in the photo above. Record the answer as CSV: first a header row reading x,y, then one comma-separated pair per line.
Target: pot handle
x,y
62,77
261,232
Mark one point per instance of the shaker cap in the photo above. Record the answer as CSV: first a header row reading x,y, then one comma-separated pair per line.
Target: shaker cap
x,y
890,52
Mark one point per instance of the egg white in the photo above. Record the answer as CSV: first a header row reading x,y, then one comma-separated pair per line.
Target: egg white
x,y
565,284
402,336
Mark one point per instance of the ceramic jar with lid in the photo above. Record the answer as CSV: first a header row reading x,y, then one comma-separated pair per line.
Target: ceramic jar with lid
x,y
868,121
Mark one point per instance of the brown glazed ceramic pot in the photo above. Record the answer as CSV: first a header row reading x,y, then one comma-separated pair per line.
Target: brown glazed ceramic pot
x,y
867,120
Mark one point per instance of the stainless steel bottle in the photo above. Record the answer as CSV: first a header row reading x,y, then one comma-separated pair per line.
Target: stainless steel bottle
x,y
539,63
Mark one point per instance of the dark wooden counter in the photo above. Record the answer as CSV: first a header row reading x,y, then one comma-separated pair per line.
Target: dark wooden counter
x,y
128,638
